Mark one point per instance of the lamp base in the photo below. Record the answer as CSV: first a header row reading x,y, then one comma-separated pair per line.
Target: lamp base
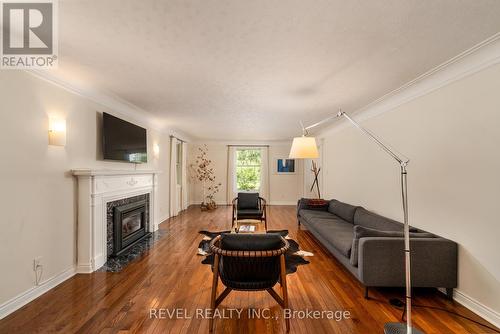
x,y
399,328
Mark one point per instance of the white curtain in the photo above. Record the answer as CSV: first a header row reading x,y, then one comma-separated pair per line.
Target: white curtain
x,y
232,192
173,177
184,177
264,173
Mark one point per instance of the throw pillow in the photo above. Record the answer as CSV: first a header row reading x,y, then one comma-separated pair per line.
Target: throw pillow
x,y
315,203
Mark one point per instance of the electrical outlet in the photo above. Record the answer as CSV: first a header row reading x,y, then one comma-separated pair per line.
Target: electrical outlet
x,y
37,262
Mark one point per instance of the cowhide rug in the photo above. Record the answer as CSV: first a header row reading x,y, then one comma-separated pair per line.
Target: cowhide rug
x,y
294,257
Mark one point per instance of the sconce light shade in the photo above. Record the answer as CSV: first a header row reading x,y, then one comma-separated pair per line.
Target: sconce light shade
x,y
57,132
156,150
304,148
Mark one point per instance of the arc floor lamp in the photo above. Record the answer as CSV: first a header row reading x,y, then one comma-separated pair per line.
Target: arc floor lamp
x,y
305,148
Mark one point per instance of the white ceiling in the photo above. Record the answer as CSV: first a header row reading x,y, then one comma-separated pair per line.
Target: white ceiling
x,y
251,69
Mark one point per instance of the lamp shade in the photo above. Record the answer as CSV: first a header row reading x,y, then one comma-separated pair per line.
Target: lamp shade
x,y
304,148
57,132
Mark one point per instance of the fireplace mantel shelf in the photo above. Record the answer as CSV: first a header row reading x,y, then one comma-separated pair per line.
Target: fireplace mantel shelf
x,y
110,172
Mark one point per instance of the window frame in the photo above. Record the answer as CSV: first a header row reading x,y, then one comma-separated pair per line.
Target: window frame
x,y
237,165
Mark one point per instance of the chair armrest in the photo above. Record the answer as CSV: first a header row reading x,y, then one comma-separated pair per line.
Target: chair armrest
x,y
234,203
433,262
215,249
262,203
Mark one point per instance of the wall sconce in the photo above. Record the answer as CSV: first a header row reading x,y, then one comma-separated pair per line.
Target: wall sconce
x,y
156,150
57,131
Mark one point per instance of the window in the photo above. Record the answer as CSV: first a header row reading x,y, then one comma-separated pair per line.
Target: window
x,y
248,169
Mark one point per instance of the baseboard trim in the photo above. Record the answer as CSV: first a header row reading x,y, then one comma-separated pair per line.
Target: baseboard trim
x,y
218,203
163,219
85,268
475,306
270,203
29,295
283,203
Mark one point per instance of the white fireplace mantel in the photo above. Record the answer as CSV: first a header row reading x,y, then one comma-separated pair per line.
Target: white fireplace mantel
x,y
97,187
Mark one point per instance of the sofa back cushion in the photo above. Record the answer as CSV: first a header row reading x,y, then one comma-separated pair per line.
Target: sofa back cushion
x,y
342,210
369,219
363,232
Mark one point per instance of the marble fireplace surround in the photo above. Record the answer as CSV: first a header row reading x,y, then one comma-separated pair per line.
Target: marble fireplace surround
x,y
97,187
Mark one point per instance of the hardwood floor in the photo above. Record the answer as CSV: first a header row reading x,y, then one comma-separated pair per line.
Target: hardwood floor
x,y
170,276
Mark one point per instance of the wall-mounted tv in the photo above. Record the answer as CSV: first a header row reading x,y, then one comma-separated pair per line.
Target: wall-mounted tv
x,y
123,141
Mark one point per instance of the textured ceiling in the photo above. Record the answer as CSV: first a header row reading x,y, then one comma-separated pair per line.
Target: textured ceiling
x,y
251,69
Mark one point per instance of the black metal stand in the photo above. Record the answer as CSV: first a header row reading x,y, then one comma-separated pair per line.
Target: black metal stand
x,y
315,171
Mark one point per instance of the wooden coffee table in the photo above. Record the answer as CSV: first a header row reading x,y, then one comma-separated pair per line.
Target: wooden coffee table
x,y
259,226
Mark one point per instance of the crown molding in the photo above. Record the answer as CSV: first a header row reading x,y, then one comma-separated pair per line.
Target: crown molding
x,y
113,103
108,99
242,142
473,60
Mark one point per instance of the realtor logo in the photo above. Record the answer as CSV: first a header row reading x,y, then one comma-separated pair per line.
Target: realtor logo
x,y
29,34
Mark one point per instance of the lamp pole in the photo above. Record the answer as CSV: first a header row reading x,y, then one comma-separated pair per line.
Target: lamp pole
x,y
394,327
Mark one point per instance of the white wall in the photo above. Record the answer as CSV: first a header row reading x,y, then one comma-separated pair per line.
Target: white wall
x,y
218,154
452,137
283,189
38,197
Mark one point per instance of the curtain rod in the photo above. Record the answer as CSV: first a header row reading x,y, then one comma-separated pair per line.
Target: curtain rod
x,y
171,136
248,145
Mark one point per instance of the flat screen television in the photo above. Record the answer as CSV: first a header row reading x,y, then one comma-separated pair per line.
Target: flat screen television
x,y
123,141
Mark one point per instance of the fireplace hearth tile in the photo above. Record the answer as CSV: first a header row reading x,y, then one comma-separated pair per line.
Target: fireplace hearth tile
x,y
118,263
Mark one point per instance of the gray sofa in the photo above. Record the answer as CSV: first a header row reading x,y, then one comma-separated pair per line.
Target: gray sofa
x,y
371,246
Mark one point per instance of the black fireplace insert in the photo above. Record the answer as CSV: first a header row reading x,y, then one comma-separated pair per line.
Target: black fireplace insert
x,y
129,225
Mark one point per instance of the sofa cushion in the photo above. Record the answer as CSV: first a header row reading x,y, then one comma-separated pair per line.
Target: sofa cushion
x,y
369,219
364,232
338,233
309,214
248,200
343,210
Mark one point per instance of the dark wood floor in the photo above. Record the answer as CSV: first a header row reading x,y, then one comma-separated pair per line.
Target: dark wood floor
x,y
170,276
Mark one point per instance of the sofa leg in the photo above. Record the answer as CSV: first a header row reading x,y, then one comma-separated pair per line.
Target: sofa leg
x,y
366,293
449,293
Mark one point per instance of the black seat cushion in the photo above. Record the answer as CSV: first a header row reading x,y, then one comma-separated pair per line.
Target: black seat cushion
x,y
250,213
248,201
243,273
